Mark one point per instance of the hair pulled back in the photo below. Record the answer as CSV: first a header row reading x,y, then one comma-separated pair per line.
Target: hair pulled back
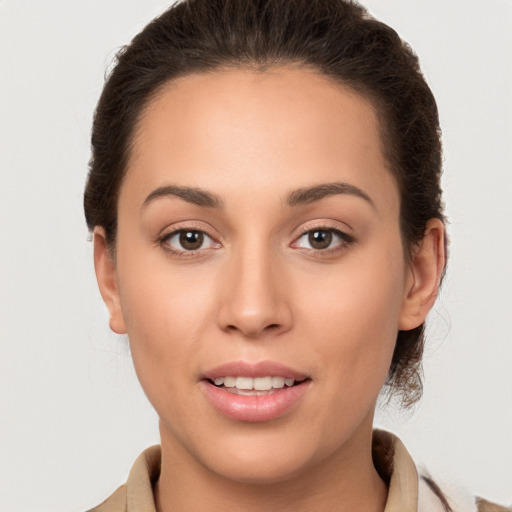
x,y
337,38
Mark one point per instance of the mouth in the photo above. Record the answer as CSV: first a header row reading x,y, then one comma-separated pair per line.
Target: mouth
x,y
254,392
254,386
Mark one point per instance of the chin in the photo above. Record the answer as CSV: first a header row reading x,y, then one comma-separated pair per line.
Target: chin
x,y
262,459
264,471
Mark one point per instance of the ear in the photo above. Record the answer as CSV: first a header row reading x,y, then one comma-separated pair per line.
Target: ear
x,y
106,276
423,276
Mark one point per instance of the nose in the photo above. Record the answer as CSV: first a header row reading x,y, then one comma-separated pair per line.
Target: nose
x,y
254,302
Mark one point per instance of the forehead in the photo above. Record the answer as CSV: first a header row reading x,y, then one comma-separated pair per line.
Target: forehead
x,y
240,128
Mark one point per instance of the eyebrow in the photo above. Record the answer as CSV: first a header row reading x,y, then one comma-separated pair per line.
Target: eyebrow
x,y
309,195
192,195
297,197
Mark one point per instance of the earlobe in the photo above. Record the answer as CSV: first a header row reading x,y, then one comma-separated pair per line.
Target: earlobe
x,y
106,276
424,276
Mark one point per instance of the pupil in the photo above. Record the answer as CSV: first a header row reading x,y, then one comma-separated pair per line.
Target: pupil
x,y
320,239
191,240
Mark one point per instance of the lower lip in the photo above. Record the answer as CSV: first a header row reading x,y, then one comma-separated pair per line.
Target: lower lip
x,y
255,408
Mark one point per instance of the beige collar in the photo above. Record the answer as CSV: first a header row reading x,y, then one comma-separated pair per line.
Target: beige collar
x,y
402,495
403,484
139,487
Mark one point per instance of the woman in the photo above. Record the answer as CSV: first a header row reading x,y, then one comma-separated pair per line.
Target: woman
x,y
268,230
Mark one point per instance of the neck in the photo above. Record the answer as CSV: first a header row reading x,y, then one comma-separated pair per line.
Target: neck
x,y
345,481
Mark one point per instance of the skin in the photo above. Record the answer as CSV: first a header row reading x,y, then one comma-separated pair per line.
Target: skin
x,y
258,290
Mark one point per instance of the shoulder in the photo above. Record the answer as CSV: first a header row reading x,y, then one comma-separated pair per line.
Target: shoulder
x,y
137,493
449,496
411,487
487,506
116,502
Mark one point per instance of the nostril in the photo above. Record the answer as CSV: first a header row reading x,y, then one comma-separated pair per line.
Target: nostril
x,y
250,332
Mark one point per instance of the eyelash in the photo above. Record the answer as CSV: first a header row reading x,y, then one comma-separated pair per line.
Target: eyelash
x,y
164,242
346,240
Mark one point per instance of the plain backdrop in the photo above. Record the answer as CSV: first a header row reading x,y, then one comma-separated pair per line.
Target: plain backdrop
x,y
72,416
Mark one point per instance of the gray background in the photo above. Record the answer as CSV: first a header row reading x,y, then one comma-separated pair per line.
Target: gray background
x,y
72,417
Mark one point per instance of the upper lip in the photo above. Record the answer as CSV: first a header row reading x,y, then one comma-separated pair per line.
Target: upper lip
x,y
254,369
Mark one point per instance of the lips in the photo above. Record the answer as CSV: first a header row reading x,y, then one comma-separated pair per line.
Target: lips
x,y
259,369
254,392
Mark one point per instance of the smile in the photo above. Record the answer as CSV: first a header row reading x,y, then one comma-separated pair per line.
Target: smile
x,y
254,392
249,386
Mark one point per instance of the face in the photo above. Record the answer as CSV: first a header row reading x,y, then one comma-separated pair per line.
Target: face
x,y
259,270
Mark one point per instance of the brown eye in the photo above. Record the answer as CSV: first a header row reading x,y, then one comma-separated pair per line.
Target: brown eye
x,y
188,240
320,239
191,240
323,239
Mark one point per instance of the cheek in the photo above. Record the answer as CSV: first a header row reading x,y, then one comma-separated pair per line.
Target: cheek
x,y
165,310
355,350
353,318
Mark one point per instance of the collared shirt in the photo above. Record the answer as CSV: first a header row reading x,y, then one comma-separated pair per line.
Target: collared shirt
x,y
408,491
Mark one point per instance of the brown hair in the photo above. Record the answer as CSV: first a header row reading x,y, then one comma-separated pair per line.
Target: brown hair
x,y
339,39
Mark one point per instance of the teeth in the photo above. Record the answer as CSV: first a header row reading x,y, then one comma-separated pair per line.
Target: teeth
x,y
278,382
257,383
262,383
229,382
244,383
